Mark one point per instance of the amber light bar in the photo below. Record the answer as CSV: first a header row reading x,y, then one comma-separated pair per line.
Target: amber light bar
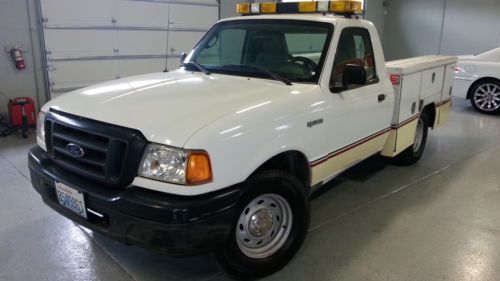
x,y
337,6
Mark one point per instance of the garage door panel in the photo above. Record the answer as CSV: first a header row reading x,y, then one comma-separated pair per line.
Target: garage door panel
x,y
77,12
82,72
141,13
173,63
131,67
199,2
90,41
140,42
182,41
192,16
75,43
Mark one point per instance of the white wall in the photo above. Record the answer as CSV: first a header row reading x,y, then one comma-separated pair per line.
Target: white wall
x,y
228,7
471,26
412,28
449,27
15,29
375,12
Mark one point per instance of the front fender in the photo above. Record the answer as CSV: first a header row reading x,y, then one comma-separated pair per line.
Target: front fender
x,y
241,142
236,152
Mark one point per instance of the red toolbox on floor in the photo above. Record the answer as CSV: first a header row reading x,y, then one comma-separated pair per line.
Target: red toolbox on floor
x,y
20,107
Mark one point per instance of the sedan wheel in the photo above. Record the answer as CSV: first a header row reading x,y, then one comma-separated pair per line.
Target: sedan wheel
x,y
486,97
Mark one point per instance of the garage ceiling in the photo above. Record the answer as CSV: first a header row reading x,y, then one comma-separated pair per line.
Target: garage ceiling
x,y
90,41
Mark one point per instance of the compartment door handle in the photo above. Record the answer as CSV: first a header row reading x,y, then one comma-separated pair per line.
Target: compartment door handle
x,y
381,97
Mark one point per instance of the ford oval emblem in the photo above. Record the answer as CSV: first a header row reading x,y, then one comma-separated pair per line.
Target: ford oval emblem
x,y
75,150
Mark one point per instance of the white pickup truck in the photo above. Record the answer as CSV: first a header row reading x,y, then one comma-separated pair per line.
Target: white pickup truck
x,y
221,154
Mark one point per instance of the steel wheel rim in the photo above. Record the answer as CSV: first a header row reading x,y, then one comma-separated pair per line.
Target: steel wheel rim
x,y
263,226
419,135
487,97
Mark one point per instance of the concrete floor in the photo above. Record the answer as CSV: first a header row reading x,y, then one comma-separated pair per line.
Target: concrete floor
x,y
437,220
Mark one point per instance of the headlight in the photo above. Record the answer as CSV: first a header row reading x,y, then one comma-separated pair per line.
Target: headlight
x,y
175,165
40,130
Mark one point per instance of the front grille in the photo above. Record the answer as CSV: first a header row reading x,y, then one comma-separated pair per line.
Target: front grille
x,y
111,154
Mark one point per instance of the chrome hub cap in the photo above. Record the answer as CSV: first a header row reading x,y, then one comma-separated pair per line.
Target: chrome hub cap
x,y
487,97
261,223
419,135
263,226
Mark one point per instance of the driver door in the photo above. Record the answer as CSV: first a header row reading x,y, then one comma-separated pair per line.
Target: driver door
x,y
358,120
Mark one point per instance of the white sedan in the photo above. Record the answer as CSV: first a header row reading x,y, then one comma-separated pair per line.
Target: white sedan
x,y
477,78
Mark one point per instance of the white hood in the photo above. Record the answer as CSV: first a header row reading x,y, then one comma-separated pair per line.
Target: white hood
x,y
168,108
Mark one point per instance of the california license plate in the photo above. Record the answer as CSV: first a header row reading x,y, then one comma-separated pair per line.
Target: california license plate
x,y
71,198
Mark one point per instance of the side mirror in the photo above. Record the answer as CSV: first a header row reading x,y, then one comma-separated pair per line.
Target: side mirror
x,y
183,57
354,75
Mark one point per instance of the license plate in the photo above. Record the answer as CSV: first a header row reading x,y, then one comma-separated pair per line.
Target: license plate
x,y
71,198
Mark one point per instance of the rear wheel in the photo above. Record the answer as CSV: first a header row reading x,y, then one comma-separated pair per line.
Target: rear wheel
x,y
485,97
413,153
271,224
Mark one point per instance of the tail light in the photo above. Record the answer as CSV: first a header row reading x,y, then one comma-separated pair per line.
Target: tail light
x,y
395,79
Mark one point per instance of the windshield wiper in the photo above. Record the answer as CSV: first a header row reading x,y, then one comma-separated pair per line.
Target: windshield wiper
x,y
200,68
261,69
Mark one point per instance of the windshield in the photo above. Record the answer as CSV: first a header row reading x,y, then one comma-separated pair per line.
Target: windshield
x,y
289,49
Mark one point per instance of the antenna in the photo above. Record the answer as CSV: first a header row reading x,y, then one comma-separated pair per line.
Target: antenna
x,y
168,35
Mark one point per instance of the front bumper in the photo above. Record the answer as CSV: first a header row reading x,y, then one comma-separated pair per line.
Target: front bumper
x,y
165,223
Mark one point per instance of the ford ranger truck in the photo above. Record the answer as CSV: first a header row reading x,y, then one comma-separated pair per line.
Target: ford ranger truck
x,y
222,154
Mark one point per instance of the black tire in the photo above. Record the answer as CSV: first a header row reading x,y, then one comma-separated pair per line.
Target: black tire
x,y
412,154
484,102
239,265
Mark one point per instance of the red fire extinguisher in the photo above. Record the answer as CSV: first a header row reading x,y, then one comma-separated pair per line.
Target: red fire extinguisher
x,y
17,56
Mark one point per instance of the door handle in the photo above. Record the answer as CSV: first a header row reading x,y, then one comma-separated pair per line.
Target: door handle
x,y
381,97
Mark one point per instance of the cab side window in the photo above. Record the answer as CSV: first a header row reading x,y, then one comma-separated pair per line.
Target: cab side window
x,y
354,48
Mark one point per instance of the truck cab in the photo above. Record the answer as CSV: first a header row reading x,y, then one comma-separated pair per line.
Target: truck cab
x,y
221,154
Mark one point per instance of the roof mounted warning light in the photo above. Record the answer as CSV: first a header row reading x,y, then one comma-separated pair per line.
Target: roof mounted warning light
x,y
344,7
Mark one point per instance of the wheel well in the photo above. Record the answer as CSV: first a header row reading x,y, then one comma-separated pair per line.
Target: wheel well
x,y
430,111
469,92
293,162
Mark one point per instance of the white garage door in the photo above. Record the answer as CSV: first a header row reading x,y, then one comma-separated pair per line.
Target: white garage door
x,y
90,41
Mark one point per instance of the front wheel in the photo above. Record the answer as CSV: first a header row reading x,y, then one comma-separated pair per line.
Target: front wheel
x,y
413,153
485,97
271,223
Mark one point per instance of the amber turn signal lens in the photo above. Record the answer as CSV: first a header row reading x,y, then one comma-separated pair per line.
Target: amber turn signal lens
x,y
345,6
268,8
243,8
307,7
198,169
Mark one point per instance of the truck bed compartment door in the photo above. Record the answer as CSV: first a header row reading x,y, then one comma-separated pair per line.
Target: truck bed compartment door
x,y
432,82
407,97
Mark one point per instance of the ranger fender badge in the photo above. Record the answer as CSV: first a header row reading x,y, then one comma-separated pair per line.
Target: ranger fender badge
x,y
310,124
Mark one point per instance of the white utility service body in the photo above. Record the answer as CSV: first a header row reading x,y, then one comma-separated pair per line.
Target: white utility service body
x,y
418,82
245,131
